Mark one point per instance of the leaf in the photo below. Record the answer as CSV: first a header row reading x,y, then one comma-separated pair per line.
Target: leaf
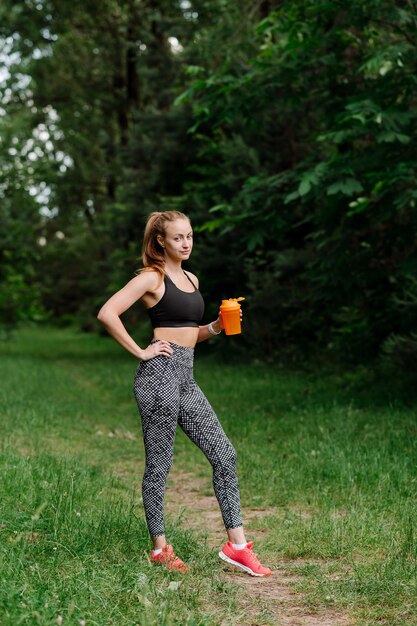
x,y
312,178
194,70
194,127
255,240
304,186
347,186
291,196
144,600
320,170
337,137
360,117
264,26
142,578
174,585
219,207
211,225
390,136
385,67
357,206
183,97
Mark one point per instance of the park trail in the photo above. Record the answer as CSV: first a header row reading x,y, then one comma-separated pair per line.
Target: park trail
x,y
261,601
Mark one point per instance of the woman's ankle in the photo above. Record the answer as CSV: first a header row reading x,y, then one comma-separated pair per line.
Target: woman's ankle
x,y
236,535
159,542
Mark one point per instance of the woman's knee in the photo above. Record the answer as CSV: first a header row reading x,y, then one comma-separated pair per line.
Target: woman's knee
x,y
226,456
232,454
157,472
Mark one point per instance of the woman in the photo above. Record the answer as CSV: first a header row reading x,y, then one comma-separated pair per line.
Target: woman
x,y
165,390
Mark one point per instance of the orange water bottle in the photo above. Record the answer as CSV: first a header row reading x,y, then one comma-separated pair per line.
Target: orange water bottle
x,y
230,316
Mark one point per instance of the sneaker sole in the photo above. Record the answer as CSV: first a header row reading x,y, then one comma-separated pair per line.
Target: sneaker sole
x,y
236,564
181,568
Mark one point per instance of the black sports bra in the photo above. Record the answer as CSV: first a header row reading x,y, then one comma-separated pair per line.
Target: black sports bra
x,y
177,308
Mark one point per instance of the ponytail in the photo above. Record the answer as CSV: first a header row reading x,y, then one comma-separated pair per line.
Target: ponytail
x,y
153,257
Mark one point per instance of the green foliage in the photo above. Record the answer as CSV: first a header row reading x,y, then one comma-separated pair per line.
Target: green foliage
x,y
323,103
400,348
287,131
20,288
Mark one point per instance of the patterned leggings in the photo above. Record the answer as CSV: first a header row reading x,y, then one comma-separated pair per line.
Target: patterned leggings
x,y
167,394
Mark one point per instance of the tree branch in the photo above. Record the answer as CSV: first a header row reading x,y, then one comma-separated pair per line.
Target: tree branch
x,y
391,27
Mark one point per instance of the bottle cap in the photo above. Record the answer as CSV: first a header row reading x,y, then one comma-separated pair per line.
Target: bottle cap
x,y
231,303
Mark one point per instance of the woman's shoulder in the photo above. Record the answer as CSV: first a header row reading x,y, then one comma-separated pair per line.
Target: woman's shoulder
x,y
192,277
149,277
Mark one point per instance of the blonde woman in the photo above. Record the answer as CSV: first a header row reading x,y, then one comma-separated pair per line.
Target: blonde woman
x,y
164,387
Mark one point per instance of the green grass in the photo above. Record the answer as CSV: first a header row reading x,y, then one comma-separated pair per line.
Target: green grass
x,y
337,466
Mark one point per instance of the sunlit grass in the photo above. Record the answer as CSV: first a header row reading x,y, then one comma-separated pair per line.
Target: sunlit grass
x,y
338,469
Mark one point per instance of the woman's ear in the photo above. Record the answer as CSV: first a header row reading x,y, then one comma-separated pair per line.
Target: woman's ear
x,y
160,240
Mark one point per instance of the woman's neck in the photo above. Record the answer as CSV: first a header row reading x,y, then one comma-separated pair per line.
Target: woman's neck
x,y
173,268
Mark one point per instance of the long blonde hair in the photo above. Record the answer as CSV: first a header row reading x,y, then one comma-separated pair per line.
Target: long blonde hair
x,y
152,252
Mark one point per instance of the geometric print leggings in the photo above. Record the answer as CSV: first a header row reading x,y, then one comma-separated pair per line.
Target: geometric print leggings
x,y
167,394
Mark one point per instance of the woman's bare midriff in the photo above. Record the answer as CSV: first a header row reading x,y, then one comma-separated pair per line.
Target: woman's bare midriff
x,y
186,336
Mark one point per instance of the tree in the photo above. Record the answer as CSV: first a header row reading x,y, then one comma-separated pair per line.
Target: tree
x,y
311,118
284,129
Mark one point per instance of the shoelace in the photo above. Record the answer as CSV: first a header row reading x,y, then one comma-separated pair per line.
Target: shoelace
x,y
252,557
170,557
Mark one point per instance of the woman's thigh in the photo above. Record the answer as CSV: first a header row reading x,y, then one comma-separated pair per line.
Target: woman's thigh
x,y
157,396
201,424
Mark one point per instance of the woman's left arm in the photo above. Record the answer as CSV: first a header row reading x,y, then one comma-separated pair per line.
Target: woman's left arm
x,y
210,330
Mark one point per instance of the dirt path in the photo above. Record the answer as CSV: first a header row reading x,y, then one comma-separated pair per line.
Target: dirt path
x,y
262,601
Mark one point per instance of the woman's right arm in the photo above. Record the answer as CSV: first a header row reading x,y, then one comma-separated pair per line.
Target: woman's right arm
x,y
109,315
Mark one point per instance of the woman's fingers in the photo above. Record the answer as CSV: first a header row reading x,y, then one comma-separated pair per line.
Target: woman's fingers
x,y
162,347
158,348
220,319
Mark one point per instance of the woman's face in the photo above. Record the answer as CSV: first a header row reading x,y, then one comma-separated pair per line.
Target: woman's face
x,y
178,240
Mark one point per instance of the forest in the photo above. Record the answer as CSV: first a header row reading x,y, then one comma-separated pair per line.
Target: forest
x,y
285,130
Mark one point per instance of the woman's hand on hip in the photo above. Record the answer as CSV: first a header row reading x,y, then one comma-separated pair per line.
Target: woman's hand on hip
x,y
158,348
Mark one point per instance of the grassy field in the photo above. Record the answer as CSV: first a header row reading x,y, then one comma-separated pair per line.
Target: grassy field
x,y
337,467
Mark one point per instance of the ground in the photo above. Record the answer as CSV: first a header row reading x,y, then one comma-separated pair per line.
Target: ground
x,y
274,596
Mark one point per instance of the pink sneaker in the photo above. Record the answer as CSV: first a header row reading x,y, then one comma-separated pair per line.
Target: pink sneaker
x,y
246,559
168,557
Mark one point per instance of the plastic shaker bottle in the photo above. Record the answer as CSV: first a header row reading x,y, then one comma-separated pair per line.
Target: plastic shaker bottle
x,y
230,312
